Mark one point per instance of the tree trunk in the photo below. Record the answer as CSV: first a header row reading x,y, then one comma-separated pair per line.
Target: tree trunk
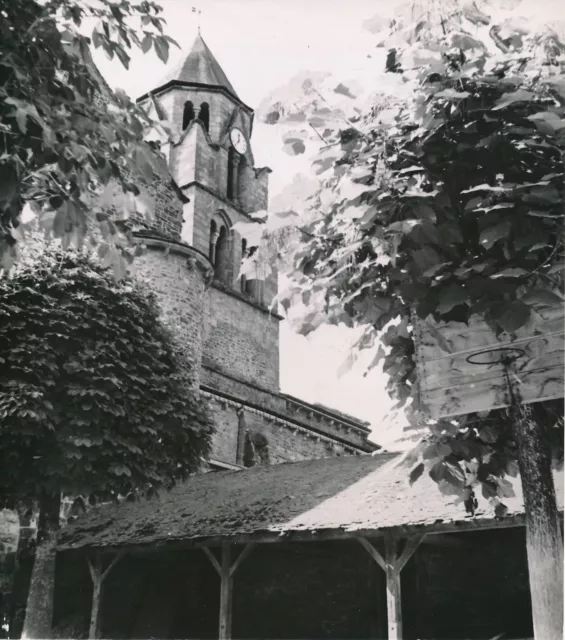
x,y
25,554
543,531
40,600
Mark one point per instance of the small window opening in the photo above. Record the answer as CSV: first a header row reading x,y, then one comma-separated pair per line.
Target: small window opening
x,y
232,175
243,279
251,283
204,115
241,171
221,262
188,114
213,240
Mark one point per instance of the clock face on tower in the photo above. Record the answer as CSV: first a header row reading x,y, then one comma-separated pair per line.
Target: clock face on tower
x,y
238,140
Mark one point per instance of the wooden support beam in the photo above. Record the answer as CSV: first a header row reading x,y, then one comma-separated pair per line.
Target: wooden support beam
x,y
226,571
393,593
213,560
377,557
98,575
226,588
242,556
409,548
392,564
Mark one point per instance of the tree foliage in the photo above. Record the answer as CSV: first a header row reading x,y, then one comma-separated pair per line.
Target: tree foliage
x,y
444,200
63,133
94,398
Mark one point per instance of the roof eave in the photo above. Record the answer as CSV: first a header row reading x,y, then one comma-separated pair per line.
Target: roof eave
x,y
306,535
196,85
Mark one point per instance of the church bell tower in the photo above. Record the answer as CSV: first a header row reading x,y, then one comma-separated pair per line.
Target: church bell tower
x,y
211,161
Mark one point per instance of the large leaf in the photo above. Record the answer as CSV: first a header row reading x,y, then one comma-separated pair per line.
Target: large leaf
x,y
454,296
161,48
521,95
513,316
416,473
542,298
492,235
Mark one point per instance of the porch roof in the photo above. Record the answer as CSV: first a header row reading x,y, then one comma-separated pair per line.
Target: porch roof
x,y
314,499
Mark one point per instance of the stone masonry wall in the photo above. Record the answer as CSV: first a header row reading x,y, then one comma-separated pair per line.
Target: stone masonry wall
x,y
167,209
255,193
320,421
270,400
183,157
205,207
194,158
255,394
290,445
241,339
286,442
180,287
165,215
206,204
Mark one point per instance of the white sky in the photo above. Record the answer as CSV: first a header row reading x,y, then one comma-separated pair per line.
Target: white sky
x,y
261,44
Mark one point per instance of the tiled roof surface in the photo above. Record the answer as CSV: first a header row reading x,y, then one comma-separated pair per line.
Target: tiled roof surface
x,y
201,67
345,494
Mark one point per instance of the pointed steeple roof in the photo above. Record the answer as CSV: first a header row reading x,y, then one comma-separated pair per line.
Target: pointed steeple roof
x,y
200,67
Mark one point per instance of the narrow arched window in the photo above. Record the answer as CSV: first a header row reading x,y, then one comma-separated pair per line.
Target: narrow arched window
x,y
251,282
241,173
204,115
232,173
243,279
213,241
188,114
221,262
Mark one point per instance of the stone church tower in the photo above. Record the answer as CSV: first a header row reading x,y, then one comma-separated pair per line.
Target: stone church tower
x,y
193,261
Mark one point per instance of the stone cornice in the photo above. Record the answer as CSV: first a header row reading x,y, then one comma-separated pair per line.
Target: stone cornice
x,y
197,85
220,197
327,413
289,423
335,418
194,256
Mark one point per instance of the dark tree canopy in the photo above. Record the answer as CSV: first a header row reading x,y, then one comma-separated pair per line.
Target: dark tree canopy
x,y
94,398
63,133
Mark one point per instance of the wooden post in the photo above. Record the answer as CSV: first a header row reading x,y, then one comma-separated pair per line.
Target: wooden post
x,y
392,565
226,571
226,584
393,594
98,576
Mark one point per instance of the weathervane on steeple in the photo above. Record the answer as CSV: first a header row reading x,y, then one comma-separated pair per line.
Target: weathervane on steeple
x,y
199,14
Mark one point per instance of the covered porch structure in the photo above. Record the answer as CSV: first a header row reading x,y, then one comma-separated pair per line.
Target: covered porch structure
x,y
334,548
